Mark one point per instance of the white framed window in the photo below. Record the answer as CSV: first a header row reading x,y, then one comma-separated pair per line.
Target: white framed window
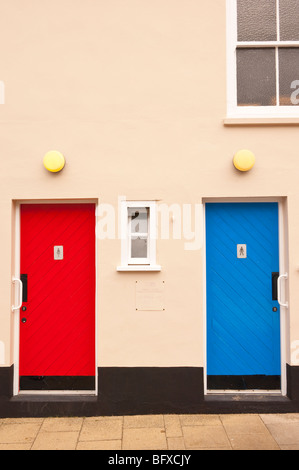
x,y
263,58
138,236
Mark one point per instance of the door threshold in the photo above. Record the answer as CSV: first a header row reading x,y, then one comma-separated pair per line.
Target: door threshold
x,y
244,392
28,398
57,392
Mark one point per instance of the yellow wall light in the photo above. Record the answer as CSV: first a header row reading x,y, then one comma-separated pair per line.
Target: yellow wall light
x,y
244,160
54,161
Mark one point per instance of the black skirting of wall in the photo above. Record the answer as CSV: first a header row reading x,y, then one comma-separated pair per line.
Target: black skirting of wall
x,y
40,383
145,390
243,382
6,382
293,382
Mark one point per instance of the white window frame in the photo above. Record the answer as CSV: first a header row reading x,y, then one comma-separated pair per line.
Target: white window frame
x,y
233,110
138,264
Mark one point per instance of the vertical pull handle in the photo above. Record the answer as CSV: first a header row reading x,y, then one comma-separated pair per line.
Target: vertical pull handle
x,y
279,280
16,280
275,277
24,280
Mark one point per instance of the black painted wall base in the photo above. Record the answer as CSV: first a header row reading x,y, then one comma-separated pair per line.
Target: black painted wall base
x,y
243,382
145,390
40,383
6,382
293,382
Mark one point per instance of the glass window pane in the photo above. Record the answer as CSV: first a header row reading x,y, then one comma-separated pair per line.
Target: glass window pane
x,y
289,20
256,78
139,247
289,76
257,20
139,219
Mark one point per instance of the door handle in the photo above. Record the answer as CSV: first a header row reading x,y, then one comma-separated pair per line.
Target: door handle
x,y
281,303
24,280
16,280
274,285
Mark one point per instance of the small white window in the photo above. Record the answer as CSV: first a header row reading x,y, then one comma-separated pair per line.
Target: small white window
x,y
138,234
263,58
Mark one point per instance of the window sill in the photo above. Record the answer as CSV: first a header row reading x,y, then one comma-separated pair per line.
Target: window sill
x,y
141,267
284,121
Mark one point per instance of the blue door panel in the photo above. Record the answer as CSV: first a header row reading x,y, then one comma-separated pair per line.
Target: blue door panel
x,y
243,332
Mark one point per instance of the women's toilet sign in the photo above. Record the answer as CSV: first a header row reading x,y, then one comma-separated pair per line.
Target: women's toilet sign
x,y
58,252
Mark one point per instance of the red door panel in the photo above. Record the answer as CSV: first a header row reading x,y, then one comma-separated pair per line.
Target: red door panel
x,y
57,329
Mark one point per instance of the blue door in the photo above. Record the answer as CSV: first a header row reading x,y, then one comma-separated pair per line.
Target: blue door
x,y
243,317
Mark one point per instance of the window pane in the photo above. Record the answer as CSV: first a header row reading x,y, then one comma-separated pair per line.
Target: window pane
x,y
289,76
289,20
256,82
139,219
139,247
257,20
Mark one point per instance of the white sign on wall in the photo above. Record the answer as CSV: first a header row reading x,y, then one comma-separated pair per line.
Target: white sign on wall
x,y
149,295
242,251
58,252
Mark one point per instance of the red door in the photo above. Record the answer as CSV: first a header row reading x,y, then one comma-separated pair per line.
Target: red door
x,y
57,318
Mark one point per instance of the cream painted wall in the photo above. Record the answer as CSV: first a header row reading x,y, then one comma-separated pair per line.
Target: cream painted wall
x,y
133,93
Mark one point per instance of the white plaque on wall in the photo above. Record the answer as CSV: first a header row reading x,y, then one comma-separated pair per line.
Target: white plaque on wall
x,y
58,252
149,295
242,251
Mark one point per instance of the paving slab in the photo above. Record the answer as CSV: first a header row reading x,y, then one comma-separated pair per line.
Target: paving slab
x,y
141,421
283,428
153,432
280,418
252,441
200,420
243,424
144,439
101,429
21,420
173,426
99,445
19,446
176,443
61,424
285,434
55,441
14,433
205,437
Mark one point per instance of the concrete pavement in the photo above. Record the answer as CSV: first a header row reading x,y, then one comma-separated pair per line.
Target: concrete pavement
x,y
153,432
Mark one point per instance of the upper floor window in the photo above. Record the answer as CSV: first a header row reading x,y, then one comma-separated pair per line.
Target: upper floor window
x,y
263,58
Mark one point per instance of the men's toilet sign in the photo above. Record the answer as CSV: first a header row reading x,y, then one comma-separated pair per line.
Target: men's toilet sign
x,y
242,251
